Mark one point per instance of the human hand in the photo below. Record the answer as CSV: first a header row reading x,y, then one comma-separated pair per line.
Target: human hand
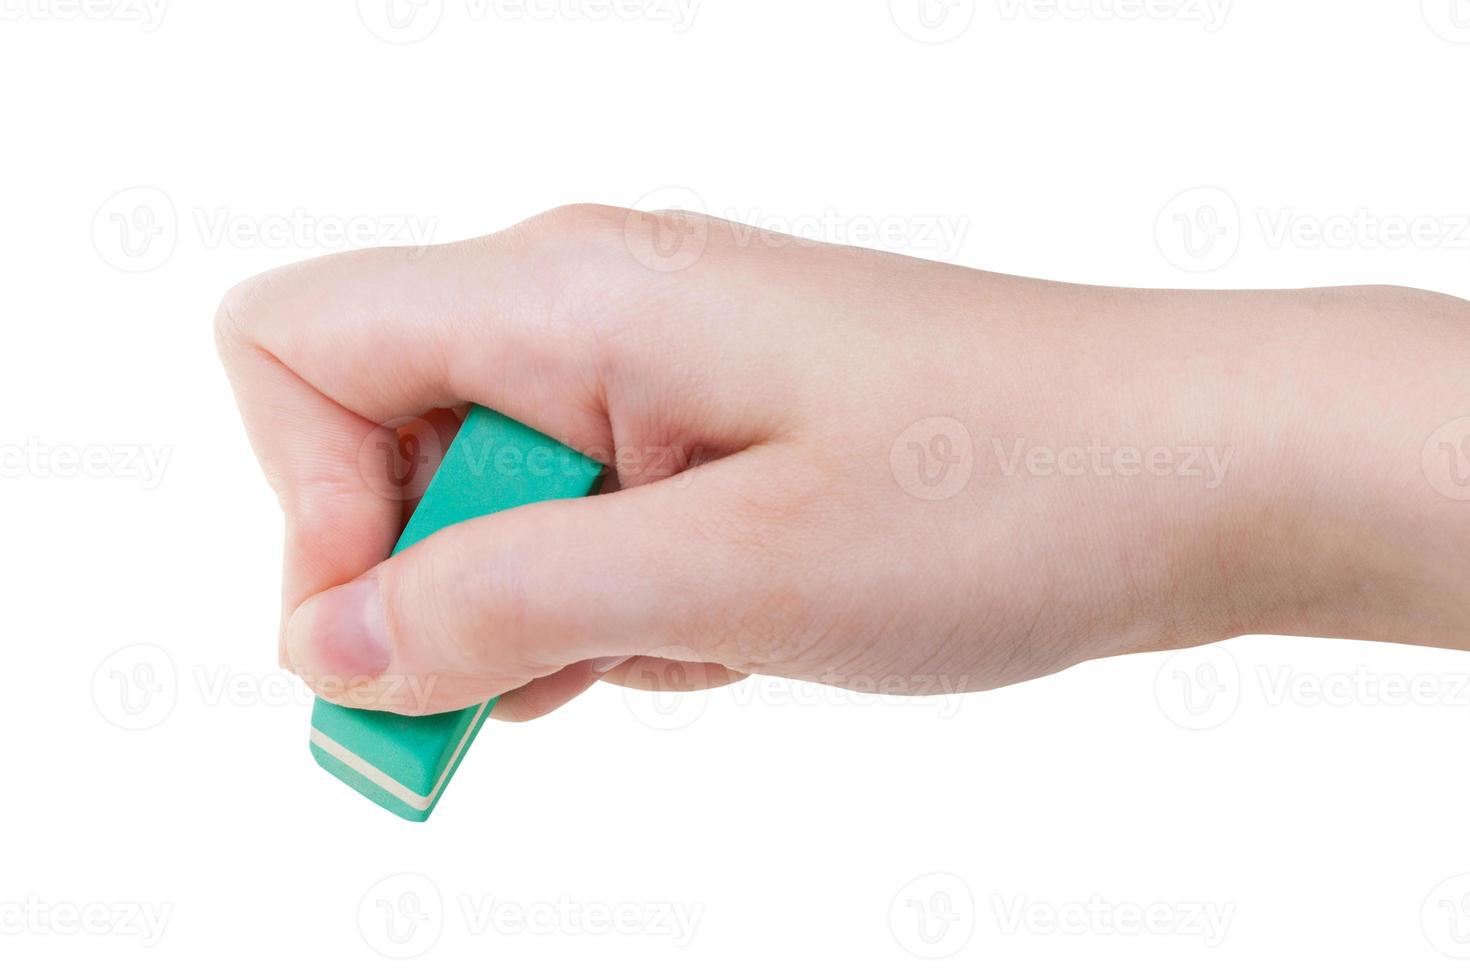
x,y
912,477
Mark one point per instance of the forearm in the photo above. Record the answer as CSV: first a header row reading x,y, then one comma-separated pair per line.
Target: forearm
x,y
1344,510
1358,520
1298,496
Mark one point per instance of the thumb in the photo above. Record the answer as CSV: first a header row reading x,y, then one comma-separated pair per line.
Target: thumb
x,y
490,605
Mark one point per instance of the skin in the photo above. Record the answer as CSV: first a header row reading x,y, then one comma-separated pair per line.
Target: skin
x,y
817,388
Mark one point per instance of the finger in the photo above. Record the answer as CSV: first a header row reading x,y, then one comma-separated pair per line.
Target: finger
x,y
309,448
546,322
545,694
319,352
387,333
490,605
661,674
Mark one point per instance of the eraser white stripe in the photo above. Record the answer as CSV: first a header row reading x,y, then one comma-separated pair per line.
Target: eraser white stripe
x,y
366,769
386,782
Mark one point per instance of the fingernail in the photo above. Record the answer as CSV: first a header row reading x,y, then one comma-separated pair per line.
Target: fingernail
x,y
604,664
340,634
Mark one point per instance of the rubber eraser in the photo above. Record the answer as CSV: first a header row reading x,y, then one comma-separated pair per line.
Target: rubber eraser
x,y
401,762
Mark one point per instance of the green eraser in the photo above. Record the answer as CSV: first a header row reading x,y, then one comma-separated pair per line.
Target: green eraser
x,y
403,763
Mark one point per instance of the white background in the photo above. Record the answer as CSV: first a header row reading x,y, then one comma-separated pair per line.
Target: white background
x,y
1314,825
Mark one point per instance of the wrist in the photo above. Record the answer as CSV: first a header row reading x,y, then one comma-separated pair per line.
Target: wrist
x,y
1353,511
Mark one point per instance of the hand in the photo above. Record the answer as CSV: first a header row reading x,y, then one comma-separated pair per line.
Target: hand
x,y
912,477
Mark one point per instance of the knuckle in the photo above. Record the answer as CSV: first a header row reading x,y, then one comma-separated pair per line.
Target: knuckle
x,y
596,284
229,317
585,224
241,311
